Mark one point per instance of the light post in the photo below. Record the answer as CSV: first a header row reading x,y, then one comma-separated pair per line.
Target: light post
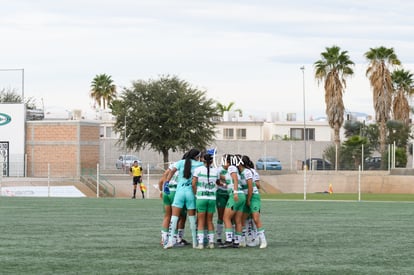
x,y
125,142
22,70
305,168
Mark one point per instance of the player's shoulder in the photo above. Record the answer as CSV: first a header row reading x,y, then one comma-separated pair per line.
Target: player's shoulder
x,y
248,172
232,169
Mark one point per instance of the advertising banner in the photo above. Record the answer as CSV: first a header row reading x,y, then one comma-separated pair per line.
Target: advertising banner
x,y
12,139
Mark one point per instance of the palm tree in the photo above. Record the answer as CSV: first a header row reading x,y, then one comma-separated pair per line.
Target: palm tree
x,y
403,85
379,76
332,69
223,108
103,91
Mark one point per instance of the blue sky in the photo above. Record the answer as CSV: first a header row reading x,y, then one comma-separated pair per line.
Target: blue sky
x,y
245,51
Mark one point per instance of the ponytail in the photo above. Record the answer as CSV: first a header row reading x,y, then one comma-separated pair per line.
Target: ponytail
x,y
192,154
208,160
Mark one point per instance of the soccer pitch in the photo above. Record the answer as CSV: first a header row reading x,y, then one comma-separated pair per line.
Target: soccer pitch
x,y
121,236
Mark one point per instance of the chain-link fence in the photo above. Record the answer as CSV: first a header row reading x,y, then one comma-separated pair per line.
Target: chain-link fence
x,y
291,154
116,182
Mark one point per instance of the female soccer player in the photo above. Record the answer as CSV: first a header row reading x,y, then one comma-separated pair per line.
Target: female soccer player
x,y
246,183
184,195
235,204
253,204
205,180
222,196
167,202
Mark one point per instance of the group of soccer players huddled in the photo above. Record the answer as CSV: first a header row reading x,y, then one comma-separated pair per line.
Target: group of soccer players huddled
x,y
201,184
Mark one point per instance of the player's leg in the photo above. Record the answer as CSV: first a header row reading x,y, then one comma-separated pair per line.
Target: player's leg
x,y
238,219
134,190
228,226
201,217
221,201
167,218
141,187
211,208
177,205
255,206
190,202
173,226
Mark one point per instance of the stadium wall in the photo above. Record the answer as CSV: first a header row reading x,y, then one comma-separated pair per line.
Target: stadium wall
x,y
67,146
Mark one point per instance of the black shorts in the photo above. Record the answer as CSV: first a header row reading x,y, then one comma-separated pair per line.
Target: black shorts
x,y
136,180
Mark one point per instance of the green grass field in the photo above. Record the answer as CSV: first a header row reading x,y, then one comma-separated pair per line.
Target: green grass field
x,y
121,236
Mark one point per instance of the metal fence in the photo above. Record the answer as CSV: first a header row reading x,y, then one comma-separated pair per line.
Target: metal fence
x,y
290,153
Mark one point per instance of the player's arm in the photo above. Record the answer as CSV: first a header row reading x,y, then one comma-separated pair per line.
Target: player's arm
x,y
236,186
171,174
194,183
163,179
249,191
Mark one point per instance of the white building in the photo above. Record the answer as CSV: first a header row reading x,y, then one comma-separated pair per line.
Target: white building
x,y
232,126
236,128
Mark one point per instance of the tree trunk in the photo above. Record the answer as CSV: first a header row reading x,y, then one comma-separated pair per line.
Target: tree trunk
x,y
165,157
383,137
337,141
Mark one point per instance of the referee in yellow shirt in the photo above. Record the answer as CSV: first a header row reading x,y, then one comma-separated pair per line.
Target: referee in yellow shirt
x,y
136,172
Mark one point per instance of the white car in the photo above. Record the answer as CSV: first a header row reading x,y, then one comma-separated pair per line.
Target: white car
x,y
126,161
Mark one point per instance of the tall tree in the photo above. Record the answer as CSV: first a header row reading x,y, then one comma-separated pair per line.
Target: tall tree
x,y
379,75
403,88
103,91
165,114
332,69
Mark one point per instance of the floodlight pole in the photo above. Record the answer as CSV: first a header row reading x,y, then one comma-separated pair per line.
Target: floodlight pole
x,y
125,142
305,168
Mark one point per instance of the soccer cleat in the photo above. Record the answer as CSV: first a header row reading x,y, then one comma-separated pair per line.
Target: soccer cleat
x,y
243,243
185,242
251,243
200,246
219,242
168,245
263,244
226,245
211,245
164,242
236,245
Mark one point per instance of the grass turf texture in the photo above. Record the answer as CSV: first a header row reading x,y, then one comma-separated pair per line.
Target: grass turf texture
x,y
121,236
341,197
